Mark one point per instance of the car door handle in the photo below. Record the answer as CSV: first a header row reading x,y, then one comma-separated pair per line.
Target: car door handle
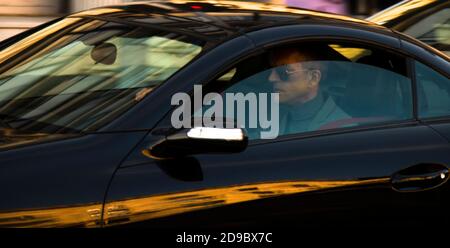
x,y
419,177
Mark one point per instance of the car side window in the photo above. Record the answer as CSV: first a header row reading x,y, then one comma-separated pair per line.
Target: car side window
x,y
433,92
320,86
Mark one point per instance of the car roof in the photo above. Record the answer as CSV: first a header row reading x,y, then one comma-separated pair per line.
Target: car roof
x,y
215,20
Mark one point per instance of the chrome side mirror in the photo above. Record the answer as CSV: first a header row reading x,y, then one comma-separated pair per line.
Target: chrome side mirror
x,y
199,140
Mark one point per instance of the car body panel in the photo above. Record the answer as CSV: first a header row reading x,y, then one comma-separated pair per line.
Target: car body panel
x,y
307,30
68,188
357,163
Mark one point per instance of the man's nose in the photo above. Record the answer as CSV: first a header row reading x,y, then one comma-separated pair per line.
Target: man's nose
x,y
274,77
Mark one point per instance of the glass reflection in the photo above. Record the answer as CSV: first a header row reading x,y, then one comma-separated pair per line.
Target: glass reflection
x,y
145,208
81,76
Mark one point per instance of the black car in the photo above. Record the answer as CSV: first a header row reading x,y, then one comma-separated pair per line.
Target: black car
x,y
87,137
427,21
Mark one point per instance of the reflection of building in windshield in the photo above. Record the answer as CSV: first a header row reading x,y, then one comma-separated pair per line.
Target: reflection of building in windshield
x,y
81,71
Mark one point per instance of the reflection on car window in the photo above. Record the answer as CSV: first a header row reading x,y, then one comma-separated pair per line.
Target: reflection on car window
x,y
433,92
83,76
324,86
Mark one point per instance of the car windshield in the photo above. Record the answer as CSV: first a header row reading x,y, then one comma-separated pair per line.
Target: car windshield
x,y
81,73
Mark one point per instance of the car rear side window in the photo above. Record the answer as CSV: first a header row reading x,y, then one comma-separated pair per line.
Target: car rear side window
x,y
433,91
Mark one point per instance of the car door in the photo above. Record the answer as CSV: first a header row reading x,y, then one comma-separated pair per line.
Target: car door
x,y
349,170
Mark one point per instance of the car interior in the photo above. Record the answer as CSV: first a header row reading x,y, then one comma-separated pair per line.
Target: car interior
x,y
371,88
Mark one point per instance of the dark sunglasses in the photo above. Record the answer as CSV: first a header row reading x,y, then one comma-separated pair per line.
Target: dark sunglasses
x,y
284,72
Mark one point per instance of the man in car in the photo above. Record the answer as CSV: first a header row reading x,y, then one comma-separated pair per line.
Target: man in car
x,y
297,75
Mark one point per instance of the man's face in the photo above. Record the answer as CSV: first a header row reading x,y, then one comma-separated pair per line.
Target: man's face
x,y
290,79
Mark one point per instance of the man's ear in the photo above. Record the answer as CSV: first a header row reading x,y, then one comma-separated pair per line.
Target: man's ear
x,y
314,77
